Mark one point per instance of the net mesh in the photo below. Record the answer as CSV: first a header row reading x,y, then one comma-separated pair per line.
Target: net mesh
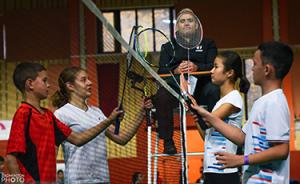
x,y
126,160
134,154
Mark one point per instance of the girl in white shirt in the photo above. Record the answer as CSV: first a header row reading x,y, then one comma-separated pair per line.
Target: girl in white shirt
x,y
266,134
226,73
88,163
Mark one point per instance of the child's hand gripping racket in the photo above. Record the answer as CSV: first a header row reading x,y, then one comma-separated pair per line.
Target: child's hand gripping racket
x,y
190,100
118,120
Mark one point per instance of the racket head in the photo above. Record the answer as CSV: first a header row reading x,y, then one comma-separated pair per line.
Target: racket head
x,y
188,29
150,40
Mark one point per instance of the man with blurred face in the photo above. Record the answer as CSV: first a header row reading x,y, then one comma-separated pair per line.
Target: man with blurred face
x,y
198,58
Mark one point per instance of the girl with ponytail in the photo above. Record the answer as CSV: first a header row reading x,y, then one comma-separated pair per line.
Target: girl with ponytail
x,y
226,73
62,96
86,164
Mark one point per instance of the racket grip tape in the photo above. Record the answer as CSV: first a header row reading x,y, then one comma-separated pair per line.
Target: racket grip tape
x,y
118,123
201,122
147,110
117,126
148,117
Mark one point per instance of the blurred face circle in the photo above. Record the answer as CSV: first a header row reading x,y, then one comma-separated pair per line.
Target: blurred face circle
x,y
186,23
258,68
218,74
82,85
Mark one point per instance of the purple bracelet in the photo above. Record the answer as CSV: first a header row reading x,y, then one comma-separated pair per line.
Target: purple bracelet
x,y
246,160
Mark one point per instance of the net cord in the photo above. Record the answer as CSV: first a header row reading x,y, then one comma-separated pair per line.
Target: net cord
x,y
95,10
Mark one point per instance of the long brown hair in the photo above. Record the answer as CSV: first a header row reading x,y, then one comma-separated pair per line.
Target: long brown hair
x,y
62,96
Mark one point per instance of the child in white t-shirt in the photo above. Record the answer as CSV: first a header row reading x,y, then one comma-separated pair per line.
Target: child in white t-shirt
x,y
86,164
266,133
225,73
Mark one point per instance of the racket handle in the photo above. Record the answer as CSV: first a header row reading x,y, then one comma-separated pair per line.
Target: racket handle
x,y
118,122
148,117
117,126
201,122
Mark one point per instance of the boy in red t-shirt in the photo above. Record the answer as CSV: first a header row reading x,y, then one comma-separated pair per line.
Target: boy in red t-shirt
x,y
36,132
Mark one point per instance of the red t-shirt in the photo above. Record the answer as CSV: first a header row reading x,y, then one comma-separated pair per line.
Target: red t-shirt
x,y
32,140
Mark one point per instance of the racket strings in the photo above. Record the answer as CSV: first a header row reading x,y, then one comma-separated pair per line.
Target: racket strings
x,y
188,35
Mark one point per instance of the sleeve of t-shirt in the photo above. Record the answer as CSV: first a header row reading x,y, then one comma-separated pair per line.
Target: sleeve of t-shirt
x,y
277,123
235,100
17,139
244,128
62,131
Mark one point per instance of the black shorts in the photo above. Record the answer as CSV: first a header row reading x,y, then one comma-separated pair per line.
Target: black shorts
x,y
217,178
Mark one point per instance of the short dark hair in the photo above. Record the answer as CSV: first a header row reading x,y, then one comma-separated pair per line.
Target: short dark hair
x,y
60,171
24,71
279,55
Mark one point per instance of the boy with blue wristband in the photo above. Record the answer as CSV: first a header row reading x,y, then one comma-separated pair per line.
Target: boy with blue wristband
x,y
267,131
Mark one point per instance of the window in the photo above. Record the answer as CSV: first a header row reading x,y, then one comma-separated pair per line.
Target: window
x,y
162,22
124,20
109,44
128,20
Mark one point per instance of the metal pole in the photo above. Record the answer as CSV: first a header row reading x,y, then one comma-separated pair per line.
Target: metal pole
x,y
155,159
184,172
275,20
82,36
149,155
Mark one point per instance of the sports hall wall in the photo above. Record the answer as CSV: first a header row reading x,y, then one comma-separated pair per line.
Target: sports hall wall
x,y
48,32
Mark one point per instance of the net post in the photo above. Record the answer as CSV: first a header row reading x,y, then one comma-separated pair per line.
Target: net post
x,y
149,155
155,159
184,171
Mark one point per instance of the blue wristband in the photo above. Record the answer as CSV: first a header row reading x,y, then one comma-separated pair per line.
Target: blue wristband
x,y
246,160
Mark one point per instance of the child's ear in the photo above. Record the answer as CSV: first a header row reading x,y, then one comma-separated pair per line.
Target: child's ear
x,y
230,73
269,70
28,84
70,86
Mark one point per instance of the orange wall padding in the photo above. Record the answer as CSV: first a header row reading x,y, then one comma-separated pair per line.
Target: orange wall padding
x,y
295,71
294,165
287,83
3,145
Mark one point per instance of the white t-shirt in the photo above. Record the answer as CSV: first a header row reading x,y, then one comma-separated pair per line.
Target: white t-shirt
x,y
216,142
88,163
269,122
